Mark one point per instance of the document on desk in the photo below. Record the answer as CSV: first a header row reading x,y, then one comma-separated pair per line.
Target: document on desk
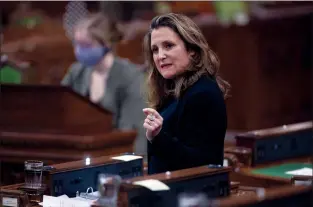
x,y
64,201
126,158
153,185
306,171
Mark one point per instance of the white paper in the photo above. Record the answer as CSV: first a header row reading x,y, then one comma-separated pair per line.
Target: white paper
x,y
225,163
12,202
96,193
154,185
63,196
127,158
62,201
303,171
84,200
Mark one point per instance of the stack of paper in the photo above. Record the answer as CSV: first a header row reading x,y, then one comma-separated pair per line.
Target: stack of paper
x,y
65,201
153,185
126,158
303,171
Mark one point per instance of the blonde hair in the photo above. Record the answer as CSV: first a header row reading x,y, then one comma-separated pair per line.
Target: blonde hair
x,y
204,61
101,28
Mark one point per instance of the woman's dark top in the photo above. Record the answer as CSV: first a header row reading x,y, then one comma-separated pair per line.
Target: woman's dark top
x,y
193,130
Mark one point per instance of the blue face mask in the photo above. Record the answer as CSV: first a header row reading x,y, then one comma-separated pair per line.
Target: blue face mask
x,y
90,56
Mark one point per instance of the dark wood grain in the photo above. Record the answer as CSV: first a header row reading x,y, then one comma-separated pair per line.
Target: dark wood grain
x,y
276,131
245,176
245,150
279,195
54,124
178,175
127,186
246,143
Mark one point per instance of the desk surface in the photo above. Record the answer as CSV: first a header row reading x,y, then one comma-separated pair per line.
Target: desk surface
x,y
270,174
282,196
279,171
236,191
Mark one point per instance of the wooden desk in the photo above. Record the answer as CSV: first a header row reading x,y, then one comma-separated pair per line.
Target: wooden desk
x,y
273,144
213,182
70,177
265,146
288,196
269,175
41,122
278,143
264,155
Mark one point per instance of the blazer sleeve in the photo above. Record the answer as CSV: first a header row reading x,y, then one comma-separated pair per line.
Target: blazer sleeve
x,y
131,115
70,75
201,132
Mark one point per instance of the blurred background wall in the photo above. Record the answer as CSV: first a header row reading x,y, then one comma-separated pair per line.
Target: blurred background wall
x,y
265,49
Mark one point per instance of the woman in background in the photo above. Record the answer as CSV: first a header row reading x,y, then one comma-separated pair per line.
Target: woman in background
x,y
112,82
187,121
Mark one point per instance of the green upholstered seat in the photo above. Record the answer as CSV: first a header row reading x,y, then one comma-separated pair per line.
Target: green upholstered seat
x,y
10,74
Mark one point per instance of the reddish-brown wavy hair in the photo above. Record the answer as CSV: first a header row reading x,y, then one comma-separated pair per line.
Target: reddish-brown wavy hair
x,y
204,60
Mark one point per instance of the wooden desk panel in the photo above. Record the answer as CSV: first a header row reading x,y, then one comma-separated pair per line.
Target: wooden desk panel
x,y
247,176
264,146
42,122
288,196
176,178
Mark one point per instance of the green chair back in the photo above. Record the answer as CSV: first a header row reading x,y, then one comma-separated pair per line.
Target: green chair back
x,y
9,74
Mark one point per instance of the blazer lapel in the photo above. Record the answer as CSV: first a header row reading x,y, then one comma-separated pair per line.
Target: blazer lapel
x,y
108,101
86,81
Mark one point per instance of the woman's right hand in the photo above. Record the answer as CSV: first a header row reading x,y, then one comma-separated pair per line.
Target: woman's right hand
x,y
153,123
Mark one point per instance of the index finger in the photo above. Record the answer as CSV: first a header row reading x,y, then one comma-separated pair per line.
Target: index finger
x,y
151,111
